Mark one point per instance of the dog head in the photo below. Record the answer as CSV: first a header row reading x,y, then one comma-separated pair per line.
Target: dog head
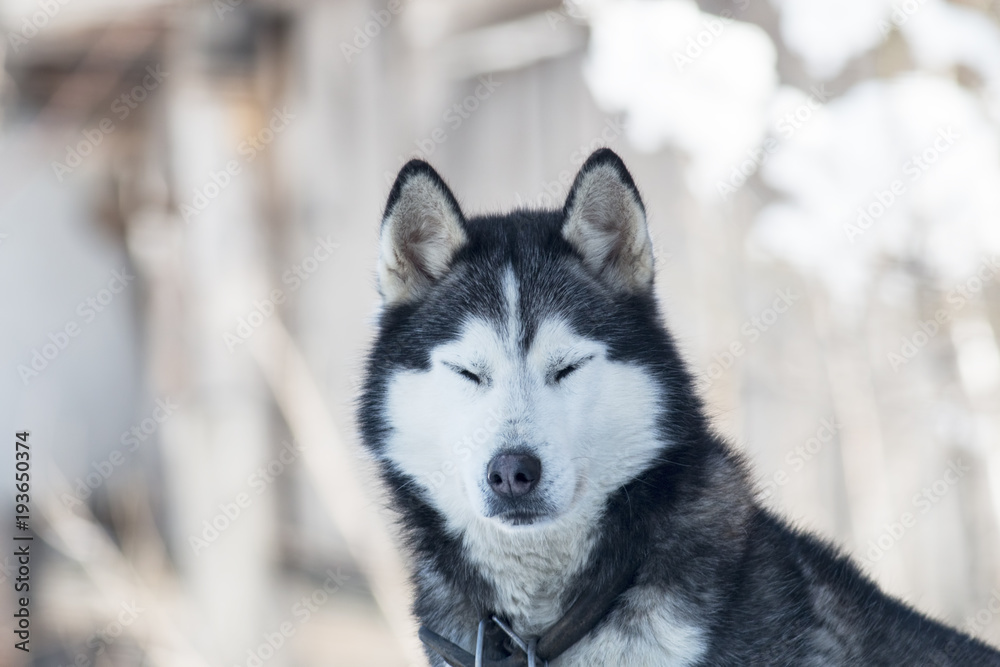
x,y
517,376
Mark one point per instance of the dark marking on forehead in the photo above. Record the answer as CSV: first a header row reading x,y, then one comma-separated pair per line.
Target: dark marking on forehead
x,y
551,281
547,272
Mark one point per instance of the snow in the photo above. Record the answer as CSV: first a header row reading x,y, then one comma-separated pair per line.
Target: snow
x,y
827,34
921,133
900,169
942,36
700,82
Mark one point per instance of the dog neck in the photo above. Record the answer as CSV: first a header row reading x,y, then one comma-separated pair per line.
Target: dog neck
x,y
530,568
582,616
535,577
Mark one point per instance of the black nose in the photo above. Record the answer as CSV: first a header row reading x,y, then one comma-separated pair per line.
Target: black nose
x,y
513,475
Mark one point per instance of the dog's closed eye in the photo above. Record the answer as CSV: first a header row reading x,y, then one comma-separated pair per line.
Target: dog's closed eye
x,y
564,371
467,374
567,369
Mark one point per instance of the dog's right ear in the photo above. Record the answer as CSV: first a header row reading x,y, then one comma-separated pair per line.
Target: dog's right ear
x,y
422,229
606,224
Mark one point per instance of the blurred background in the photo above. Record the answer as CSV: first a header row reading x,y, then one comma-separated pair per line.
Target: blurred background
x,y
189,201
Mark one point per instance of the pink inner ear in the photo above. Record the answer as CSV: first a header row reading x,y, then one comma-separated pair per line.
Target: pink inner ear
x,y
606,224
424,232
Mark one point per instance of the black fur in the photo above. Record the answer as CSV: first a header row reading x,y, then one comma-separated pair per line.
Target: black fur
x,y
768,594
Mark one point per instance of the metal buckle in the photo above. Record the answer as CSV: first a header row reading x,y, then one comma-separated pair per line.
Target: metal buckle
x,y
456,656
530,647
480,642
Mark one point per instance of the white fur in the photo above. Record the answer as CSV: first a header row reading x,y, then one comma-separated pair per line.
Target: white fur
x,y
661,637
593,432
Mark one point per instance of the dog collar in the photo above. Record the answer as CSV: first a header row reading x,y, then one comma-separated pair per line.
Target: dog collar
x,y
582,617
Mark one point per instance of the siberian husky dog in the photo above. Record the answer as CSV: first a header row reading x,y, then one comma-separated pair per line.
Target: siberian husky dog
x,y
561,493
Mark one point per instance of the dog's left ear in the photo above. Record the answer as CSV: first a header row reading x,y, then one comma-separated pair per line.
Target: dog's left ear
x,y
422,229
606,224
